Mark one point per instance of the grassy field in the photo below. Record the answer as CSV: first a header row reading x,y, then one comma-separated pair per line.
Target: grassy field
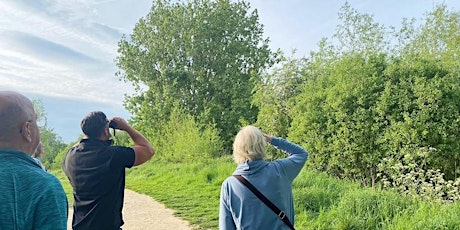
x,y
321,202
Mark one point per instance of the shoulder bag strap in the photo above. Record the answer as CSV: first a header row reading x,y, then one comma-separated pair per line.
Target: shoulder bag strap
x,y
267,202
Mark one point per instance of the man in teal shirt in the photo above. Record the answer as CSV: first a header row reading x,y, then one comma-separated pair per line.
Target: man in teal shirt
x,y
30,198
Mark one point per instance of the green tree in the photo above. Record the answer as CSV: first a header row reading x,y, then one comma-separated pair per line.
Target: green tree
x,y
50,139
273,94
420,102
371,98
204,55
333,115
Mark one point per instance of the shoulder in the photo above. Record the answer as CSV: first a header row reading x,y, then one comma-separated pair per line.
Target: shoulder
x,y
122,156
118,148
47,190
229,182
49,180
226,187
226,181
119,151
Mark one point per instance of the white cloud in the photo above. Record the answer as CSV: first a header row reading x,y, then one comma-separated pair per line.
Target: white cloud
x,y
60,47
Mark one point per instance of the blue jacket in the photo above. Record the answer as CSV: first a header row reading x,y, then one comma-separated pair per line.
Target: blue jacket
x,y
30,198
241,209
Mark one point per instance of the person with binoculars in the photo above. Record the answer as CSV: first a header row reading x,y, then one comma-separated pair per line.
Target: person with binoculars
x,y
96,170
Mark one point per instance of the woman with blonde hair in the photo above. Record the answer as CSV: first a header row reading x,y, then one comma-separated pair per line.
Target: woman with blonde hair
x,y
240,208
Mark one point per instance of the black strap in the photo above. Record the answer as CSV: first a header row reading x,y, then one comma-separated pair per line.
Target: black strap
x,y
267,202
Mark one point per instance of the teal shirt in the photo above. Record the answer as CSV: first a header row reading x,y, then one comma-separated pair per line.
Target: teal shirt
x,y
30,198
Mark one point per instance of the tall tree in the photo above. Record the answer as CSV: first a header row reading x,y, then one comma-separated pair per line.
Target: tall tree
x,y
204,55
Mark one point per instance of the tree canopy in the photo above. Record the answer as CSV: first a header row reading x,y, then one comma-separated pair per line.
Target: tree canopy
x,y
203,56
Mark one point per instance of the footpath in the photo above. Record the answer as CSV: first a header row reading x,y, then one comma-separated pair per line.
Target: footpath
x,y
141,212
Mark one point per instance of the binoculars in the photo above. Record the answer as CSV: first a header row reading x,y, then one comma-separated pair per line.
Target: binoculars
x,y
113,124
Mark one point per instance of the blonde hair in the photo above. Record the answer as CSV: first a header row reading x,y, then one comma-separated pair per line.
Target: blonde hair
x,y
249,145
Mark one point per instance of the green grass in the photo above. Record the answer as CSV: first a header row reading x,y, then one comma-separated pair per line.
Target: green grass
x,y
191,189
321,202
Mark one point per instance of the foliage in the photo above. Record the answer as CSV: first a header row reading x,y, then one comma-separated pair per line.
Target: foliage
x,y
121,138
273,94
370,99
409,176
334,113
204,55
426,215
419,108
180,139
53,145
358,33
59,159
420,101
50,139
333,116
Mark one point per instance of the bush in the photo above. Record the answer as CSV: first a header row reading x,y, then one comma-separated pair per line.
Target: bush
x,y
59,159
408,176
182,140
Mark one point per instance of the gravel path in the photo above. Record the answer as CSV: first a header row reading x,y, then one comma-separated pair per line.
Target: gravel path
x,y
141,212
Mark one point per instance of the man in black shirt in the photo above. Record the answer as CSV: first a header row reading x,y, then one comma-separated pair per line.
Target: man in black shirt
x,y
96,171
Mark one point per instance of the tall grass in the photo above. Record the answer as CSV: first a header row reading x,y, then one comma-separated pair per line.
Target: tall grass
x,y
321,202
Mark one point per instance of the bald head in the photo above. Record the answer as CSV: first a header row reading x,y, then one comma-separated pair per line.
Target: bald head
x,y
18,126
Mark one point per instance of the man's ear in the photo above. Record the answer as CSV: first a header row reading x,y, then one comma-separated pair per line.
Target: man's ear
x,y
25,131
106,132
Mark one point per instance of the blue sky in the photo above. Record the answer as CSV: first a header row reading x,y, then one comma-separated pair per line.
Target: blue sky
x,y
62,52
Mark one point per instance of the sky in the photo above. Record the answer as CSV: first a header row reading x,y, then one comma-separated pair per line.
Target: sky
x,y
62,52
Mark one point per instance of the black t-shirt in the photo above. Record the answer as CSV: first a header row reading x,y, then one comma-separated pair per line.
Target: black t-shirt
x,y
96,171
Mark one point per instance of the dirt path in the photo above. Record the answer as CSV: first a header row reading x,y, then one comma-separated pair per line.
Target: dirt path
x,y
141,212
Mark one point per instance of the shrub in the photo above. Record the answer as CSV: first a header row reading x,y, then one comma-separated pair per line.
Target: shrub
x,y
181,139
408,176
